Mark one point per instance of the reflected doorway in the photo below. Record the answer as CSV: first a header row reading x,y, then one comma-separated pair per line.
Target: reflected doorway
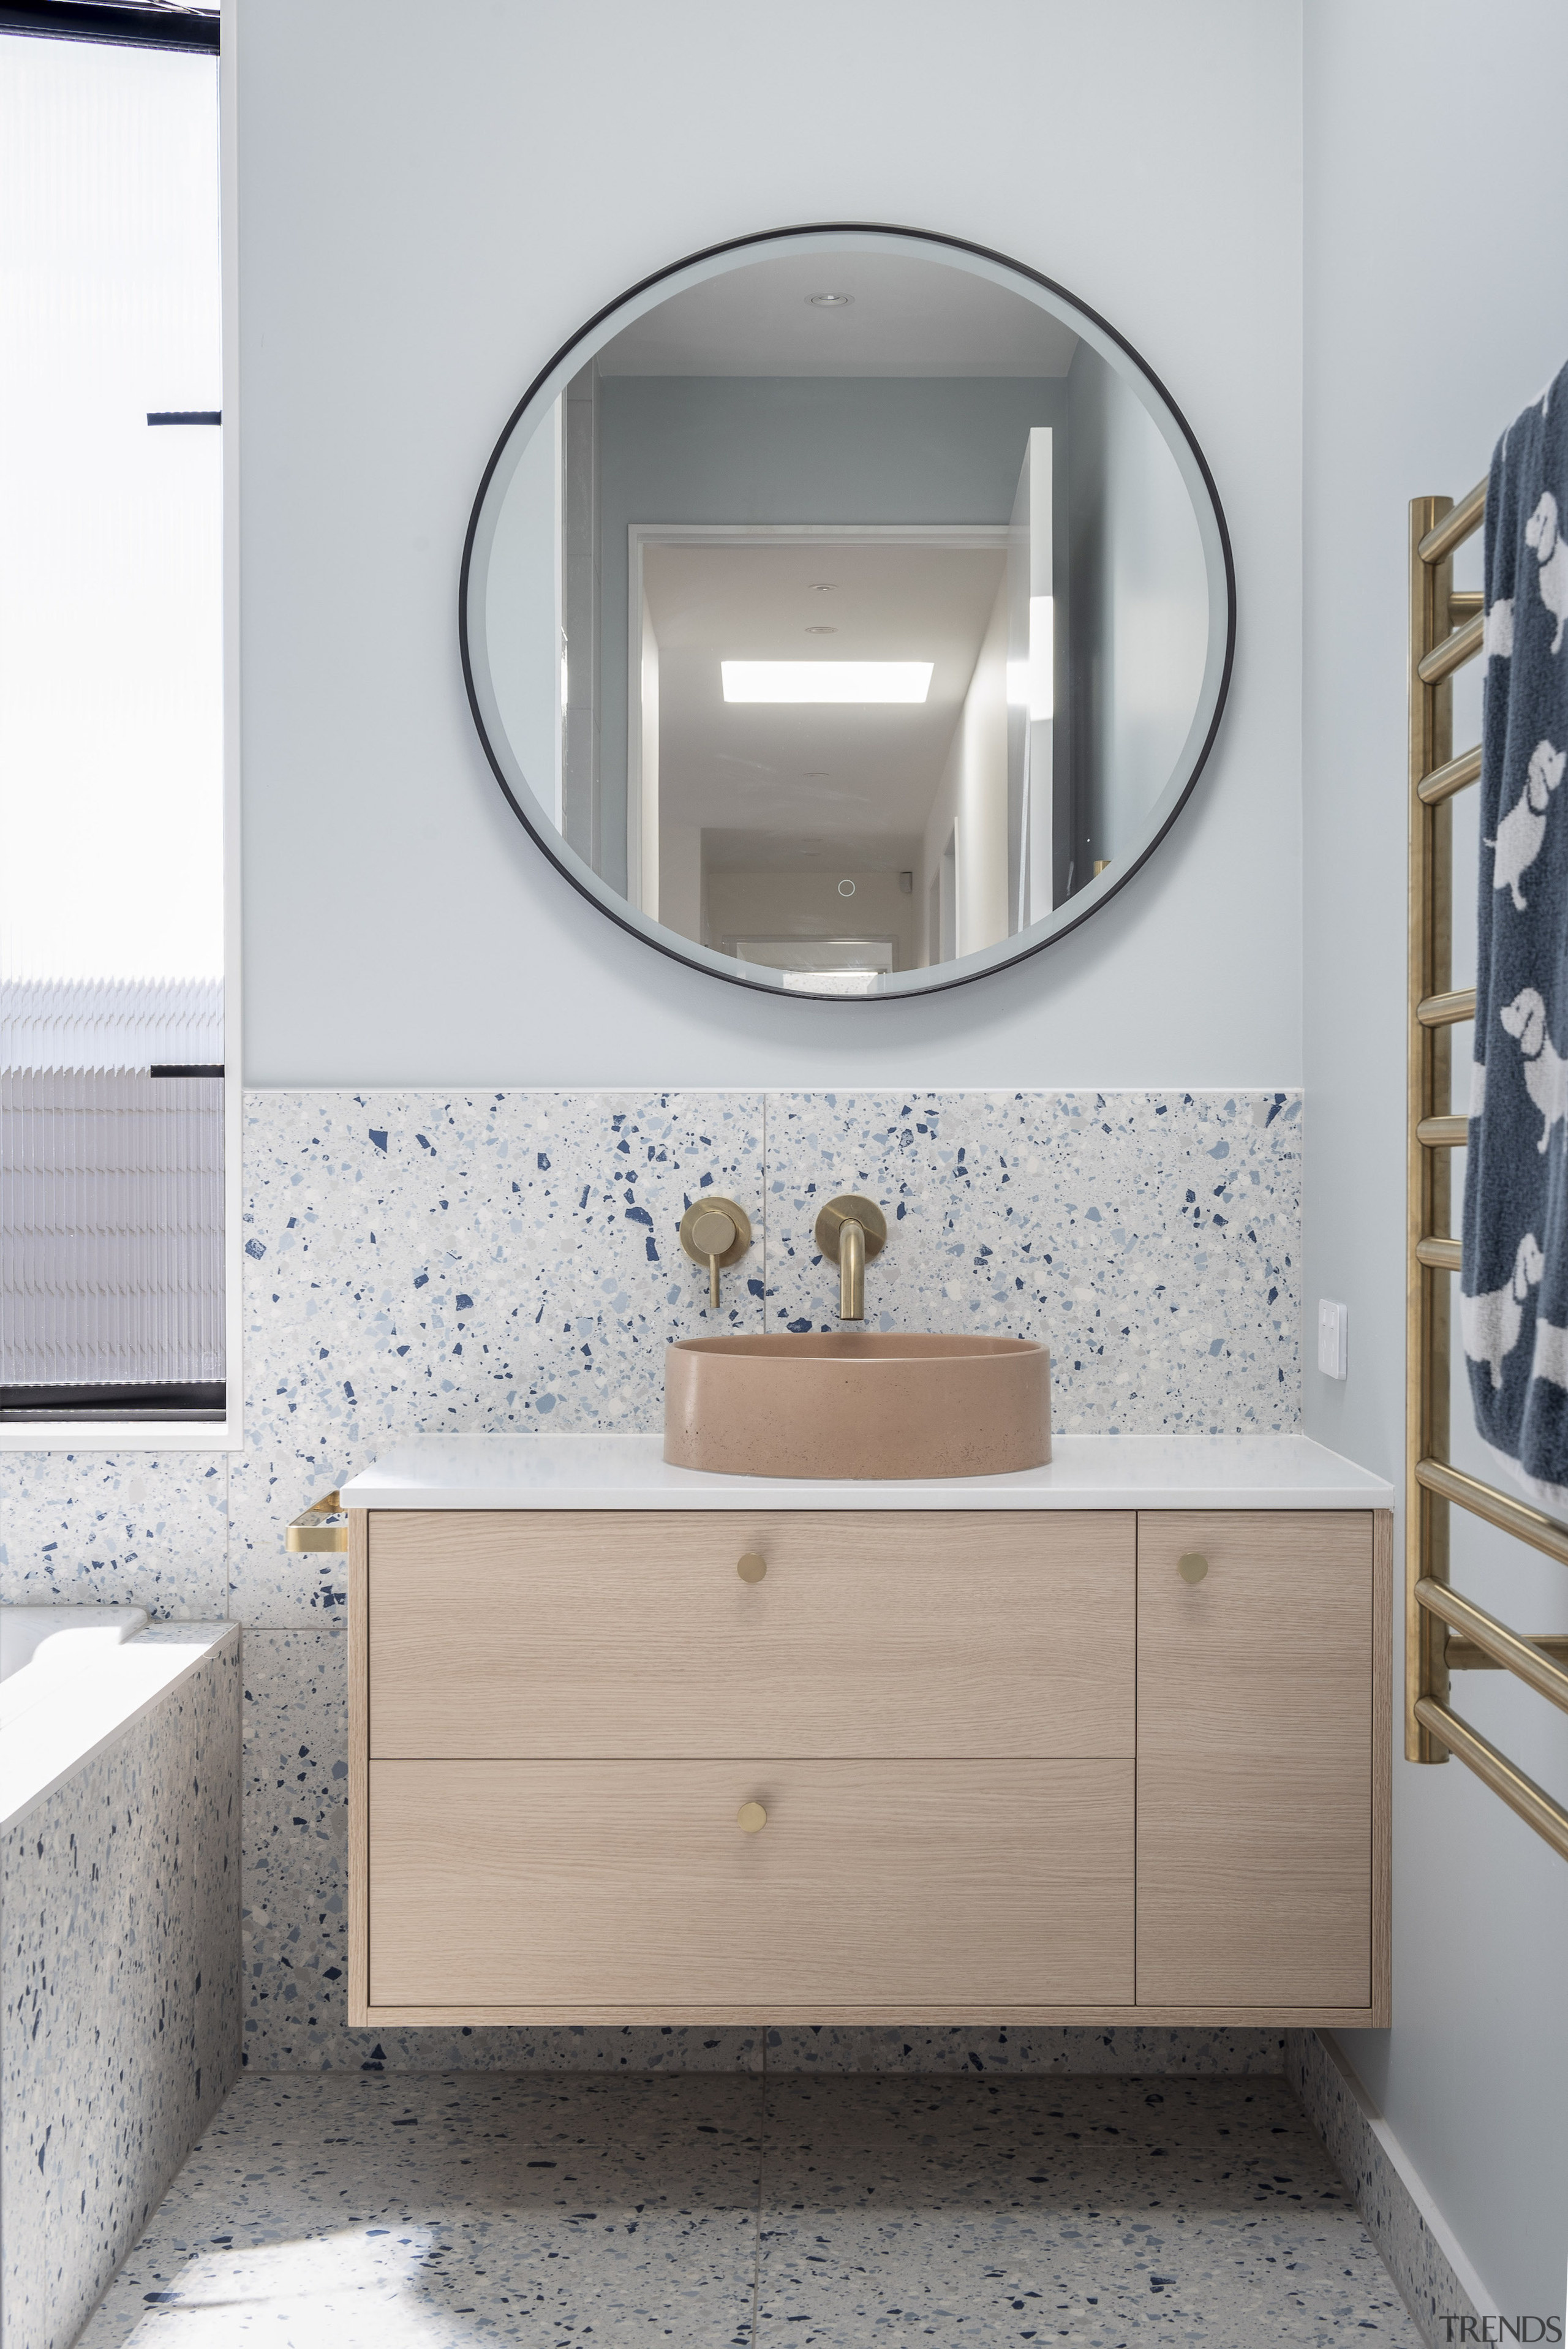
x,y
822,751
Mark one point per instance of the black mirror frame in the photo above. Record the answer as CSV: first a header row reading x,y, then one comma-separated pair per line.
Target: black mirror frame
x,y
1115,881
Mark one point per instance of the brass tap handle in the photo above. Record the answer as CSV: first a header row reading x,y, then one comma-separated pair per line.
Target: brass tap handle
x,y
850,1231
715,1232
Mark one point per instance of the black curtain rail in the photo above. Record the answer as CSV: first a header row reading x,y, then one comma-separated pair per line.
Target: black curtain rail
x,y
186,1069
185,416
131,26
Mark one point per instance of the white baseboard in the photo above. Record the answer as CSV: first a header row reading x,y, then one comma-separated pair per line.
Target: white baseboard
x,y
1485,2303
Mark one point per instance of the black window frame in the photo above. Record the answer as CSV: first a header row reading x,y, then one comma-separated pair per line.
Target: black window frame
x,y
130,24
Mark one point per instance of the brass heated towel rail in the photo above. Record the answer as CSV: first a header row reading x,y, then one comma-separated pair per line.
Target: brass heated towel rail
x,y
1443,1631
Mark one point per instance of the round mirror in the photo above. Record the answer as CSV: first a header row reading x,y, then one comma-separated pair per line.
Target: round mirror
x,y
847,612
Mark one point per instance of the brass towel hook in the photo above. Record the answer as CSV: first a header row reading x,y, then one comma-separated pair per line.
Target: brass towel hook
x,y
311,1529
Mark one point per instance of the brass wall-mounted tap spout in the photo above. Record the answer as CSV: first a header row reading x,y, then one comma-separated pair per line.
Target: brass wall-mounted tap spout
x,y
850,1231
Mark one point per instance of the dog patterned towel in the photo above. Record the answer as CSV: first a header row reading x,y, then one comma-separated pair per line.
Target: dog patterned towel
x,y
1514,1303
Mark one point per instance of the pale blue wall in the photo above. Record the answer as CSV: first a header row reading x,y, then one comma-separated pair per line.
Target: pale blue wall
x,y
1435,268
407,266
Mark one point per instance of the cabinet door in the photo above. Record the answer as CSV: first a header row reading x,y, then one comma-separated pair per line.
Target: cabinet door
x,y
872,1633
1255,1760
599,1885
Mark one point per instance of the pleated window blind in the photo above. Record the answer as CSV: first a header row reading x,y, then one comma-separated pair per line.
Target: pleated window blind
x,y
111,805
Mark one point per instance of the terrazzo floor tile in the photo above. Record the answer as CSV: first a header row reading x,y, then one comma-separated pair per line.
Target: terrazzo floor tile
x,y
367,2213
340,2211
1098,2211
917,2048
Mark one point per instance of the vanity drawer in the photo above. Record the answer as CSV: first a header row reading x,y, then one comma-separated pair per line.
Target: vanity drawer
x,y
534,1633
980,1884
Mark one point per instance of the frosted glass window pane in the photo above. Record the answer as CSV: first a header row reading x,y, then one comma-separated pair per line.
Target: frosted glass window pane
x,y
110,530
111,812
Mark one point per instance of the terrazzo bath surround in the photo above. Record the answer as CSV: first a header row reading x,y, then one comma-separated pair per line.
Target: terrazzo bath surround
x,y
120,1989
509,1261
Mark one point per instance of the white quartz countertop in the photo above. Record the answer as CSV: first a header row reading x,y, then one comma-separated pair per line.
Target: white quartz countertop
x,y
1087,1472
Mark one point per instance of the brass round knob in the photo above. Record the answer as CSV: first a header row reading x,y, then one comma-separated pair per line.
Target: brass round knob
x,y
751,1568
1193,1567
752,1818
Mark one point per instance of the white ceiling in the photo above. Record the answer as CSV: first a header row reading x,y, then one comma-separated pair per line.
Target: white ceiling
x,y
907,316
820,785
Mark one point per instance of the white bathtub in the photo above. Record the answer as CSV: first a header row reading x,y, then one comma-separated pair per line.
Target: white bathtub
x,y
25,1632
72,1677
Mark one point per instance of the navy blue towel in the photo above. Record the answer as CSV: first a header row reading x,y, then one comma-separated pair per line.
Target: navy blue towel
x,y
1513,1304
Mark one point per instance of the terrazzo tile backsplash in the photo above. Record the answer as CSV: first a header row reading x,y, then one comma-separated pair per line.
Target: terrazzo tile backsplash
x,y
511,1261
87,1529
1149,1239
421,1261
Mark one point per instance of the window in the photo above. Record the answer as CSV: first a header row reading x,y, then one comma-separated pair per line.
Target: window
x,y
112,1290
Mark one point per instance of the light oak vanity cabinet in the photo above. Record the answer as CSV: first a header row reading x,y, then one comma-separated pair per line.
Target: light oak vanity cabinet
x,y
616,1765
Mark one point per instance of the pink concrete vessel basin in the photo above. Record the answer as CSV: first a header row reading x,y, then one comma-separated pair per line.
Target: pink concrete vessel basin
x,y
855,1403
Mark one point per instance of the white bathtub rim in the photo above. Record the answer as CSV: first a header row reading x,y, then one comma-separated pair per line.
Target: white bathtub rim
x,y
61,1636
89,1709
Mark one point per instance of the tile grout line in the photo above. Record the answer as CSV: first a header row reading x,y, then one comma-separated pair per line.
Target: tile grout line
x,y
763,1303
756,2233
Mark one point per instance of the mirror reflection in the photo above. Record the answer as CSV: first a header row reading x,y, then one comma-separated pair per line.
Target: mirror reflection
x,y
847,612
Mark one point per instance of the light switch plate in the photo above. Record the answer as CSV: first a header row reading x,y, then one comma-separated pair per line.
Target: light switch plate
x,y
1333,1322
